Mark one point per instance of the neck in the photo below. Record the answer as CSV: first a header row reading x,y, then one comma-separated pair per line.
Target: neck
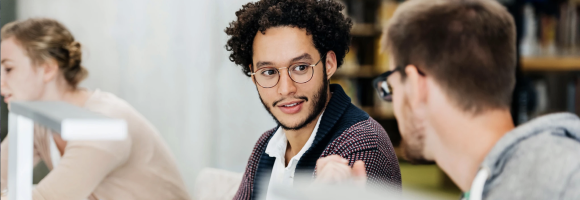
x,y
465,140
298,138
61,91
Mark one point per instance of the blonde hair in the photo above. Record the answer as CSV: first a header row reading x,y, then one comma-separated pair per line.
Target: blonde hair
x,y
45,39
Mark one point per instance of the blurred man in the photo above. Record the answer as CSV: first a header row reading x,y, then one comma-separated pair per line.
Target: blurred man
x,y
290,49
451,80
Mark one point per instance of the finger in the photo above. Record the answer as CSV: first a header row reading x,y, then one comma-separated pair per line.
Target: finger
x,y
327,172
334,172
358,169
359,173
337,158
343,172
333,158
321,163
327,175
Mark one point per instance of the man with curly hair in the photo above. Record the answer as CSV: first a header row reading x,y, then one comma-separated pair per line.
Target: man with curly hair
x,y
291,49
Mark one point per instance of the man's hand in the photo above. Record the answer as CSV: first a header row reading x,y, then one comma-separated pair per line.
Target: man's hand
x,y
335,169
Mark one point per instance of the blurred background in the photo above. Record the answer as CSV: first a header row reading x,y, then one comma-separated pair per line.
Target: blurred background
x,y
167,59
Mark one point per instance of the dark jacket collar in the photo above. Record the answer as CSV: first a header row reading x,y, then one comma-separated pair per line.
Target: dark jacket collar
x,y
332,113
339,115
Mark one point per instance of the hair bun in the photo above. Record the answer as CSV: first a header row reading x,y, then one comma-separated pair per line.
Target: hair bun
x,y
75,54
75,73
46,39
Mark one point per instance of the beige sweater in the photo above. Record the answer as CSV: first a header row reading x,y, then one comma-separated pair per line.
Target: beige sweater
x,y
140,167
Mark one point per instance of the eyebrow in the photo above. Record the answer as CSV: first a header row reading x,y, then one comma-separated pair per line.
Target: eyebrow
x,y
262,63
5,60
301,57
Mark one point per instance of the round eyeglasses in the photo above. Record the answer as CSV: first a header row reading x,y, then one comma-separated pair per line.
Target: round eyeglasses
x,y
301,72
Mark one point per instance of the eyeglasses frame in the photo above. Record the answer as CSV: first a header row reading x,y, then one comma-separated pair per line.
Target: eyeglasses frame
x,y
385,85
289,74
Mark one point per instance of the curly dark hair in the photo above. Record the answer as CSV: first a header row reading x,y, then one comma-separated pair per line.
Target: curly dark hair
x,y
322,19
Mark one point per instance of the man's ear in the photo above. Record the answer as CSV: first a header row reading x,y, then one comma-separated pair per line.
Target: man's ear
x,y
252,77
50,70
416,88
331,64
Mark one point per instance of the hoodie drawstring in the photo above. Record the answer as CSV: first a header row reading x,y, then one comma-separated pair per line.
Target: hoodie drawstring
x,y
476,192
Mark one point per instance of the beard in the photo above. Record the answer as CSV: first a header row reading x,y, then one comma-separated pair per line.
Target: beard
x,y
414,143
318,105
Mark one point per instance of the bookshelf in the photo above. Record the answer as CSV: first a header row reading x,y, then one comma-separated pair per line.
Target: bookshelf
x,y
363,72
365,29
364,61
553,64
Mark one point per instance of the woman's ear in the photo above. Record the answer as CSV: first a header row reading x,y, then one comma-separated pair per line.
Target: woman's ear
x,y
50,70
331,64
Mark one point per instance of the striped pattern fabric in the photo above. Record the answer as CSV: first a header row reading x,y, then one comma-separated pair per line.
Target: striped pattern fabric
x,y
344,130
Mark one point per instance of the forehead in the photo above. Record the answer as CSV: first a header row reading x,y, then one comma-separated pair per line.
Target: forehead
x,y
279,44
10,49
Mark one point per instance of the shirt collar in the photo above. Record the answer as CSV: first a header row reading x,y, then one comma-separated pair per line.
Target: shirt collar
x,y
277,145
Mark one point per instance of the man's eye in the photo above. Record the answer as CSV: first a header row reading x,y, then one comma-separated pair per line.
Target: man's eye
x,y
300,68
269,72
8,69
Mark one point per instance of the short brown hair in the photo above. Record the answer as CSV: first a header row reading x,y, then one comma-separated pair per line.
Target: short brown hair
x,y
468,46
45,39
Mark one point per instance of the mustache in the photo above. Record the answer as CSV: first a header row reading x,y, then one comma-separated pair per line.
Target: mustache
x,y
278,101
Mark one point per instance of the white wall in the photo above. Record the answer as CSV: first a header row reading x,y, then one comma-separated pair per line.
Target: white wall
x,y
167,58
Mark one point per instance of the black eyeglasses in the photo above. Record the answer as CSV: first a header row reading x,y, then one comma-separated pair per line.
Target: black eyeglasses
x,y
382,86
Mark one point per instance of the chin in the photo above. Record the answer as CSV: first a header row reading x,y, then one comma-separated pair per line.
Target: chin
x,y
292,123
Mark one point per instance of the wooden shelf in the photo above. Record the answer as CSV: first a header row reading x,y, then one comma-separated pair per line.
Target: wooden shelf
x,y
550,64
365,30
376,114
529,64
366,71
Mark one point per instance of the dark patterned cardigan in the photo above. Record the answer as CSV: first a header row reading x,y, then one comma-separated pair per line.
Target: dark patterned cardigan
x,y
345,130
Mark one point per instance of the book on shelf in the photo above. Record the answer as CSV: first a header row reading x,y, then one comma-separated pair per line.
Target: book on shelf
x,y
551,28
350,88
577,96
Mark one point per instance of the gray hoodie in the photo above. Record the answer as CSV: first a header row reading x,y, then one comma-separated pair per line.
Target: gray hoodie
x,y
537,160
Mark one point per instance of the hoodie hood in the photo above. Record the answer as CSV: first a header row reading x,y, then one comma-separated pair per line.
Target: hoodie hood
x,y
564,124
555,132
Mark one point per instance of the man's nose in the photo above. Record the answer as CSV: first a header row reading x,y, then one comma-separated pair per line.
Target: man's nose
x,y
286,85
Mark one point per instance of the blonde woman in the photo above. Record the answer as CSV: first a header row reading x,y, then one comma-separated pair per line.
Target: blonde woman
x,y
41,61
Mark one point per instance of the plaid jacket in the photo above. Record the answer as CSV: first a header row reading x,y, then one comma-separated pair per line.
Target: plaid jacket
x,y
344,130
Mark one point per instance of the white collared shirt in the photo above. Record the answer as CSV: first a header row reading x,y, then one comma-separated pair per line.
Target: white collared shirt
x,y
282,175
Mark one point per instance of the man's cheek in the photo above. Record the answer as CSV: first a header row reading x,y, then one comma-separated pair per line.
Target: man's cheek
x,y
265,98
396,109
397,103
